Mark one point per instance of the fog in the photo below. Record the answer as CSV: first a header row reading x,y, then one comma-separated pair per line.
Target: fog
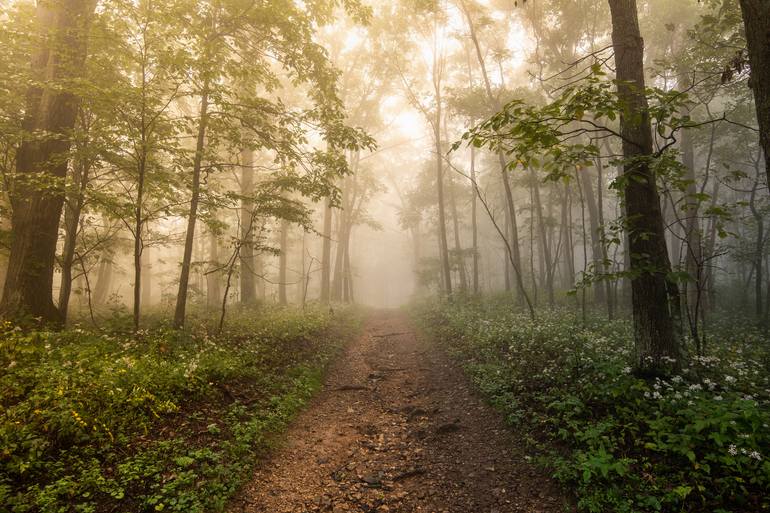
x,y
364,108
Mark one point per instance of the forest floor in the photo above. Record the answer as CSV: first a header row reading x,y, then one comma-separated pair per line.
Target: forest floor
x,y
397,428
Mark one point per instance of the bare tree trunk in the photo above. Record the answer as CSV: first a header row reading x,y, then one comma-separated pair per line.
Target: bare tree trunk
x,y
693,257
474,225
495,103
282,262
343,220
654,298
514,238
213,273
72,215
759,246
63,28
184,277
349,296
508,258
442,238
566,226
139,212
327,253
248,283
585,244
711,241
458,245
596,241
532,244
756,20
146,278
608,291
103,281
546,261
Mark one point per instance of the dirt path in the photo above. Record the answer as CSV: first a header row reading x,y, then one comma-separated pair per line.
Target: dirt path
x,y
397,429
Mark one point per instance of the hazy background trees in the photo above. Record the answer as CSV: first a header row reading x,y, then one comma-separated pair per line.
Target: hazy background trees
x,y
233,153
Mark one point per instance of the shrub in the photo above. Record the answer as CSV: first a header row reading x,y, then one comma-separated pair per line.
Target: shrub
x,y
160,420
697,441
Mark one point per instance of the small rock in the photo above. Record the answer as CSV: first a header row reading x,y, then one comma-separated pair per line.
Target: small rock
x,y
372,479
449,427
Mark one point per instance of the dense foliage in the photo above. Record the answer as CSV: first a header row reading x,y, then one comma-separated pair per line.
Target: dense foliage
x,y
98,420
696,441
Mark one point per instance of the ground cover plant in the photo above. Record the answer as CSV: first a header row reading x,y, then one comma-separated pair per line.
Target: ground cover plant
x,y
696,440
160,420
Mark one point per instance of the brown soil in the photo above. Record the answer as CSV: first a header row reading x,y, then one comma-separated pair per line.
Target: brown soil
x,y
398,429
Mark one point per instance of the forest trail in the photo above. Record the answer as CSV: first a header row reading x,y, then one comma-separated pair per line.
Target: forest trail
x,y
398,429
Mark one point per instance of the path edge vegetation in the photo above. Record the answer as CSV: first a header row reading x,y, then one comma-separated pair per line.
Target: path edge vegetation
x,y
190,420
615,440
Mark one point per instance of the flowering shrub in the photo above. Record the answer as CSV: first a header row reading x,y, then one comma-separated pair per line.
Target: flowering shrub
x,y
162,420
697,441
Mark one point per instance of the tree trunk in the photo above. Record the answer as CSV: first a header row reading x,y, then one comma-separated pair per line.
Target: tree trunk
x,y
758,247
532,244
693,257
138,243
282,262
495,103
546,259
654,297
343,219
508,257
474,225
349,297
608,292
460,259
146,278
566,226
327,253
184,277
711,241
213,274
63,28
596,241
756,20
72,212
103,280
248,282
514,244
442,238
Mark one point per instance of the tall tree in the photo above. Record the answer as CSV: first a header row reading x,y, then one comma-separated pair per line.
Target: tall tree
x,y
756,20
496,104
326,252
192,217
248,275
41,162
283,259
653,295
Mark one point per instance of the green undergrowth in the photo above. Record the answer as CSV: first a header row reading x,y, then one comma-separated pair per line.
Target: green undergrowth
x,y
105,421
697,441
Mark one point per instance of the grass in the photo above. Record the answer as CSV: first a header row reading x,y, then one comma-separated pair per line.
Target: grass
x,y
694,442
104,420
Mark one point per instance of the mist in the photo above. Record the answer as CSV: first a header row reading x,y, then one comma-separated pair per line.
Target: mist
x,y
384,256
